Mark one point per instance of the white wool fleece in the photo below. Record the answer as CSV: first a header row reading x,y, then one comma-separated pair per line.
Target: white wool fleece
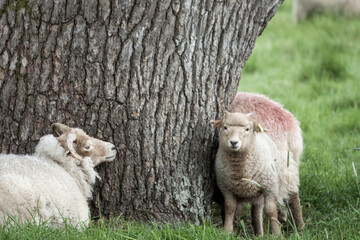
x,y
50,186
49,147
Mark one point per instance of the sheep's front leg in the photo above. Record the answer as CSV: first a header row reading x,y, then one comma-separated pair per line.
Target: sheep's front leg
x,y
230,209
257,207
272,214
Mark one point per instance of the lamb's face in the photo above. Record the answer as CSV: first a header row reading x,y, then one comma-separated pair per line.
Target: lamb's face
x,y
80,145
236,132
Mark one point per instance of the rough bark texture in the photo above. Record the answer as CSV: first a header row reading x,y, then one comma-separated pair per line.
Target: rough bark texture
x,y
146,75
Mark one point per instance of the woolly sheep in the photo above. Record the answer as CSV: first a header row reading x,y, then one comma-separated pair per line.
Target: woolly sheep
x,y
304,8
54,183
247,169
285,131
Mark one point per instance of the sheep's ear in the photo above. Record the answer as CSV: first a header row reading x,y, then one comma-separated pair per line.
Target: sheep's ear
x,y
216,123
71,139
259,128
249,114
59,129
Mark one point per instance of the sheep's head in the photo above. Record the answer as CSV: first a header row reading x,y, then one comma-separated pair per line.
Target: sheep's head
x,y
237,132
78,144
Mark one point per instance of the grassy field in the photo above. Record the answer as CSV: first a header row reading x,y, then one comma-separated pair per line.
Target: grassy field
x,y
312,68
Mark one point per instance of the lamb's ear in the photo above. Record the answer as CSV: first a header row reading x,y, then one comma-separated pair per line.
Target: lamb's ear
x,y
259,128
216,123
249,114
59,129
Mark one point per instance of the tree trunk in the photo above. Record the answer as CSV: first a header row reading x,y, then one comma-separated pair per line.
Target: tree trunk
x,y
146,75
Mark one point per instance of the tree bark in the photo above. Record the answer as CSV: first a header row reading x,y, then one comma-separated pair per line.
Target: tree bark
x,y
146,75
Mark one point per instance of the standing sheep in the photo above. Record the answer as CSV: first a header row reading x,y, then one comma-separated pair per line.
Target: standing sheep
x,y
247,170
56,182
284,130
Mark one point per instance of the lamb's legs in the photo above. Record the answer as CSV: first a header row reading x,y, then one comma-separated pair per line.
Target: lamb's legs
x,y
295,208
230,204
282,215
257,207
272,214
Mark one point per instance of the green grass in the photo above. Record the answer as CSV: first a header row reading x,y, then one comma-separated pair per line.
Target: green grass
x,y
117,228
312,68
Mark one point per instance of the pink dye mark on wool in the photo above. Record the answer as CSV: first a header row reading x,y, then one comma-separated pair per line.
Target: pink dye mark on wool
x,y
270,113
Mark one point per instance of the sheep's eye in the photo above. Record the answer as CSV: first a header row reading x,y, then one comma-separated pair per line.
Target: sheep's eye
x,y
225,128
247,129
87,147
74,141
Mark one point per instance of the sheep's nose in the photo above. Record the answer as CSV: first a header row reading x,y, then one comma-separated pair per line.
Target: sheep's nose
x,y
233,143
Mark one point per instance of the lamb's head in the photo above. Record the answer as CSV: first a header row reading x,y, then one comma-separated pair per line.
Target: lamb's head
x,y
77,143
237,132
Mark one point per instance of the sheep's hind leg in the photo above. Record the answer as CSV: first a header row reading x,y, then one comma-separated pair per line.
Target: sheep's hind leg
x,y
272,215
257,207
230,210
295,208
282,213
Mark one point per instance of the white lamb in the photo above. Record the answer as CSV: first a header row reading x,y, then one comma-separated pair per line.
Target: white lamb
x,y
55,183
285,131
247,168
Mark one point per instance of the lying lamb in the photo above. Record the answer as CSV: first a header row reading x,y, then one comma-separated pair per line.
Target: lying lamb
x,y
247,170
284,130
55,183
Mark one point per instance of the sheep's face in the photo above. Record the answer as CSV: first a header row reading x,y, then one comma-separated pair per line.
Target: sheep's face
x,y
236,132
80,145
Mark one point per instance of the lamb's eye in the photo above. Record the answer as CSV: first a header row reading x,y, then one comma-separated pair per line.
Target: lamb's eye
x,y
247,129
225,128
87,147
